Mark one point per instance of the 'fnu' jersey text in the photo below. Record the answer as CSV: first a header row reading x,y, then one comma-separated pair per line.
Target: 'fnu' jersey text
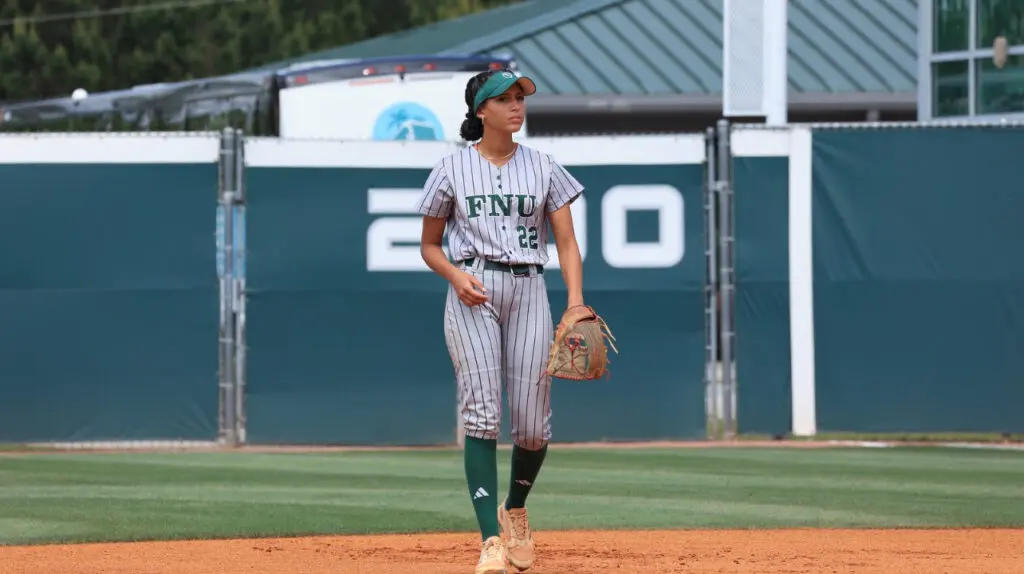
x,y
498,213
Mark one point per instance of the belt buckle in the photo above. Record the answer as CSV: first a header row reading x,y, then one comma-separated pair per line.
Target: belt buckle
x,y
519,270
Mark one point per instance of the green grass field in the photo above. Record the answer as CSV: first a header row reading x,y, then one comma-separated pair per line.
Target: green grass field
x,y
136,496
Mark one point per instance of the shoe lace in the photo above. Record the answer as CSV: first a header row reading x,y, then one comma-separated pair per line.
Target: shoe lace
x,y
520,525
491,550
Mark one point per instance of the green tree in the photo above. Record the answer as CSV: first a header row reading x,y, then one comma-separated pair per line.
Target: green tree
x,y
42,57
427,12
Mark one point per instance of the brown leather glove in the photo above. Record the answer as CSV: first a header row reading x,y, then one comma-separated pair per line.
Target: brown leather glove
x,y
579,350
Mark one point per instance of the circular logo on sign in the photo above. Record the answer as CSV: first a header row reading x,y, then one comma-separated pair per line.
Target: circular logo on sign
x,y
407,121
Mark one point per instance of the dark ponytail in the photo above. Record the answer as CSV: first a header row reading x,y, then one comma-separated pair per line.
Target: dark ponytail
x,y
473,127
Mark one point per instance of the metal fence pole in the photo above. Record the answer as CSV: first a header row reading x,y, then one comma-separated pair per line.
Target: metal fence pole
x,y
712,382
727,278
227,424
239,251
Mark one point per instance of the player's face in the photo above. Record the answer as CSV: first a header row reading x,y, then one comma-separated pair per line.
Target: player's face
x,y
505,113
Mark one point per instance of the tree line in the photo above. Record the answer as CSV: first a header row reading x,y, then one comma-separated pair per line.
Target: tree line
x,y
49,48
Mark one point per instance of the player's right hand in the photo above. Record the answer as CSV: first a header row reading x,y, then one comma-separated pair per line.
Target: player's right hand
x,y
469,289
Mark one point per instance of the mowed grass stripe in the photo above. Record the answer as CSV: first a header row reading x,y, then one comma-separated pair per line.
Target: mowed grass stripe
x,y
186,495
100,519
962,466
669,511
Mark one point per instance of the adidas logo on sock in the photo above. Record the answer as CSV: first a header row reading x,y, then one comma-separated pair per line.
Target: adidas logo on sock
x,y
480,493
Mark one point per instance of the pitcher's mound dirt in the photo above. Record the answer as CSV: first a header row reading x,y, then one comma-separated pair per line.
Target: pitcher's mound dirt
x,y
744,552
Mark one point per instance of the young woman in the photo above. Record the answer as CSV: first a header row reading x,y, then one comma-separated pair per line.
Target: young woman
x,y
496,198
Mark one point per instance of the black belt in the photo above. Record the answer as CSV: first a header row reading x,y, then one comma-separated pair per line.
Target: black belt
x,y
519,270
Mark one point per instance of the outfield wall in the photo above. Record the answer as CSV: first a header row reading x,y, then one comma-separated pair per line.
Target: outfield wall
x,y
901,309
345,320
115,248
108,292
876,286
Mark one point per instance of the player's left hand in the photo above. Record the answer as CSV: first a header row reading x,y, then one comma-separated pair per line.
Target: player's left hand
x,y
579,350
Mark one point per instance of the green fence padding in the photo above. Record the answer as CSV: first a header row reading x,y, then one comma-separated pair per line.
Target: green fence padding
x,y
108,299
918,279
763,402
339,354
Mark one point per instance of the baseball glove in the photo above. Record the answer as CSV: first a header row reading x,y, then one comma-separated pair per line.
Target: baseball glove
x,y
579,350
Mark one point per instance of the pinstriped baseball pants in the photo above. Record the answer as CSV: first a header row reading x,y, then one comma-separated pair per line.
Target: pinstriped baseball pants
x,y
505,340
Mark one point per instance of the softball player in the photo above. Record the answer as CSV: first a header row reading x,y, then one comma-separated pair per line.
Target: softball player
x,y
496,198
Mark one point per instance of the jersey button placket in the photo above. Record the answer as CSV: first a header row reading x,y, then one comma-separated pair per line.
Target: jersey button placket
x,y
501,192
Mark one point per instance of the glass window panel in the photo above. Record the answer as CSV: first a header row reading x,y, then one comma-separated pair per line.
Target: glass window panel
x,y
1000,91
215,114
949,89
1000,18
950,25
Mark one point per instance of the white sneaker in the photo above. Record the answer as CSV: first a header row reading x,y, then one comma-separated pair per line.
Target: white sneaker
x,y
515,528
492,557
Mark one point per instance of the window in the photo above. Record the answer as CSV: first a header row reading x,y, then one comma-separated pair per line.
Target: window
x,y
1000,18
950,89
215,114
960,76
950,25
1000,91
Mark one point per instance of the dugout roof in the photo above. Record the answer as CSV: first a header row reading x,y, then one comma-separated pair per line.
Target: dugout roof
x,y
666,55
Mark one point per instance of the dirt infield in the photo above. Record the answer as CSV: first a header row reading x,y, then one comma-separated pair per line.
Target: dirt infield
x,y
989,551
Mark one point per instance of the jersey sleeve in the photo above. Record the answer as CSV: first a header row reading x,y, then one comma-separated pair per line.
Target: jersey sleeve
x,y
436,198
563,189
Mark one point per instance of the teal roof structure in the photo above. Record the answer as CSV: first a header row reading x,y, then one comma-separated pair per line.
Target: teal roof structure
x,y
670,47
438,37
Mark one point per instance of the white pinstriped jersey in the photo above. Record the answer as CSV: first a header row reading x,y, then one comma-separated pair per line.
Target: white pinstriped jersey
x,y
499,214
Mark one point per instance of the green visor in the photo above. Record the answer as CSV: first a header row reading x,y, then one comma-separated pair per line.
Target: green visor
x,y
499,83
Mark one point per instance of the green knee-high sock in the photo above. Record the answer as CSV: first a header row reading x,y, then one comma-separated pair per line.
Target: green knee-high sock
x,y
525,468
482,478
